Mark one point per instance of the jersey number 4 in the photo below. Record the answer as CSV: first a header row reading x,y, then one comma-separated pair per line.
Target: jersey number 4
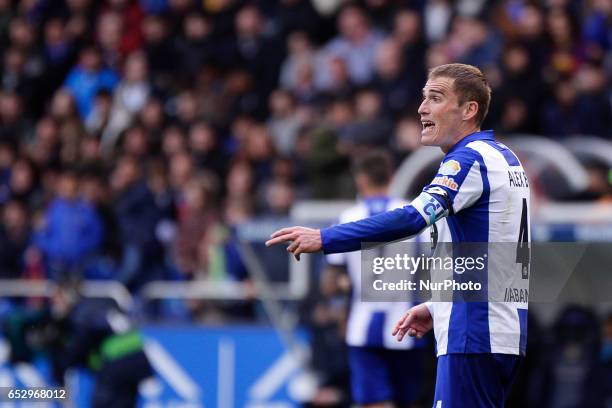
x,y
523,253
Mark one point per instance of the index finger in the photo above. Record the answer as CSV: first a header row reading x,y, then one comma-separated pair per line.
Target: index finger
x,y
399,324
283,235
283,231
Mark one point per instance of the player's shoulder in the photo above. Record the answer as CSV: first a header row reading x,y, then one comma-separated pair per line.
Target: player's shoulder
x,y
467,153
493,151
458,162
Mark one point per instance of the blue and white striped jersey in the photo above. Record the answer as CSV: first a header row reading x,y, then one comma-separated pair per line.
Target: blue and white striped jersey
x,y
480,194
370,323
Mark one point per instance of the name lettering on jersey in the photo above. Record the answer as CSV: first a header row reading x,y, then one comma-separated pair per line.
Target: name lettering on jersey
x,y
517,178
516,295
450,168
446,182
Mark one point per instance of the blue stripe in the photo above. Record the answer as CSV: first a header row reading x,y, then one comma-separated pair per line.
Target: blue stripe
x,y
468,330
511,159
374,337
457,323
522,314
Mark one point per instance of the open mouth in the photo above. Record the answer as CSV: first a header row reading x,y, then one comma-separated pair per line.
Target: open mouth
x,y
427,124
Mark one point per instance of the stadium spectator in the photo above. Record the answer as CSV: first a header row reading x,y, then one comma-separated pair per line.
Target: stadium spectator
x,y
406,137
99,118
278,198
437,18
298,69
296,15
131,14
159,48
153,118
594,105
137,216
15,235
103,264
371,127
565,49
408,33
473,42
596,29
129,98
205,149
256,51
87,78
259,151
173,141
14,124
196,46
284,122
356,45
22,183
109,31
71,231
520,82
15,78
560,116
398,86
196,216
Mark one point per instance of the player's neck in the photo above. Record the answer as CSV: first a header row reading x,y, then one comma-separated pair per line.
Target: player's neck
x,y
463,134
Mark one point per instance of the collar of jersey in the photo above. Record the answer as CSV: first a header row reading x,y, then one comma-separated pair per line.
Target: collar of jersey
x,y
482,135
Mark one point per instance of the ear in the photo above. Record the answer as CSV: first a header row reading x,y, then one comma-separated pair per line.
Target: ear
x,y
470,110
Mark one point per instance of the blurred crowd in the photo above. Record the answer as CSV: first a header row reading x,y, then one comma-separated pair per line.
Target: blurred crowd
x,y
136,134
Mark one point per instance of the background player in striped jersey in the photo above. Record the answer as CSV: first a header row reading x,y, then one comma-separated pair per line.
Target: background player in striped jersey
x,y
377,361
479,344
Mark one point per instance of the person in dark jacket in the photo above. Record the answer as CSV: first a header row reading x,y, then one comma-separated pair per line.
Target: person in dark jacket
x,y
86,333
137,215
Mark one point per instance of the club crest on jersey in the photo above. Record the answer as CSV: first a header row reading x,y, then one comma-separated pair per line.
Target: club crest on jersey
x,y
450,168
446,182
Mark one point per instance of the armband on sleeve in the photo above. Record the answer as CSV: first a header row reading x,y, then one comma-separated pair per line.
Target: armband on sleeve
x,y
431,204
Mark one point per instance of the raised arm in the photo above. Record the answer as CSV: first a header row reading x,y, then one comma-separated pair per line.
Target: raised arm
x,y
386,227
457,185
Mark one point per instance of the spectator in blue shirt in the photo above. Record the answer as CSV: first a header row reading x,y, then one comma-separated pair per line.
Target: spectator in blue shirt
x,y
72,229
87,78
